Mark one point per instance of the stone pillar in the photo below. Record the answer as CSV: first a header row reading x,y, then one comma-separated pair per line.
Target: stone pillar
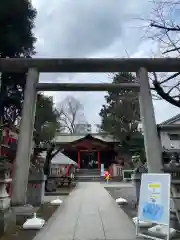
x,y
99,160
22,162
79,159
151,139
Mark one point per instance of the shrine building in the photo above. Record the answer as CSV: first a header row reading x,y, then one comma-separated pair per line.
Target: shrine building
x,y
88,151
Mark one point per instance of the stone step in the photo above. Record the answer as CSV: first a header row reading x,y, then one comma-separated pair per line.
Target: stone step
x,y
88,175
88,179
95,179
86,171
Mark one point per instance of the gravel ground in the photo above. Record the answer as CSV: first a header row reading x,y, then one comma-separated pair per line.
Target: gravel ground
x,y
46,210
17,233
129,194
130,209
53,197
61,191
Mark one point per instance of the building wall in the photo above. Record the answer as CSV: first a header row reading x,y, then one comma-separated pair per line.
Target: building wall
x,y
61,170
167,142
57,170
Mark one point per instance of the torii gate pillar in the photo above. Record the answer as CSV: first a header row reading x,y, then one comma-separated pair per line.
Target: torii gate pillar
x,y
151,139
24,149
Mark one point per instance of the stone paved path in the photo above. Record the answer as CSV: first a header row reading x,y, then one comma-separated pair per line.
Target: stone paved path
x,y
88,213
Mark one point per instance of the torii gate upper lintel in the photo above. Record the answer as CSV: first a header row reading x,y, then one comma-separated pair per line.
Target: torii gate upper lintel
x,y
83,65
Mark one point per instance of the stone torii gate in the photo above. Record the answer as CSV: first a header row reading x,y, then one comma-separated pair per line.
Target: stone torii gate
x,y
33,67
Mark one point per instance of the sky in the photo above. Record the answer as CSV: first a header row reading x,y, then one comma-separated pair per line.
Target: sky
x,y
91,28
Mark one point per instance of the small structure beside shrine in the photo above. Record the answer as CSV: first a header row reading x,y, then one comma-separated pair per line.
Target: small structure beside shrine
x,y
62,170
59,164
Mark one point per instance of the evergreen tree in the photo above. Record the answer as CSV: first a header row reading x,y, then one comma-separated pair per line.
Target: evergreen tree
x,y
120,116
46,125
46,120
16,40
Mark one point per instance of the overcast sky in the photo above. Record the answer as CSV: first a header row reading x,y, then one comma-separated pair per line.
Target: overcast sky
x,y
93,28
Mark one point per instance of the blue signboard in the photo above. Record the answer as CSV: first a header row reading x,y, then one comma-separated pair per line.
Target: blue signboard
x,y
154,201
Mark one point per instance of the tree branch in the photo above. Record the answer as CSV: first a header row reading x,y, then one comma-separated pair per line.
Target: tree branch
x,y
164,95
70,111
169,78
165,32
171,50
170,90
175,29
65,123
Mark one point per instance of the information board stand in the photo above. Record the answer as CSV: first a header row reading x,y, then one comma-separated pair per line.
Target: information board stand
x,y
154,202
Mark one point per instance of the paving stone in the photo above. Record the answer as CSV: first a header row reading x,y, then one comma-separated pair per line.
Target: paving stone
x,y
88,213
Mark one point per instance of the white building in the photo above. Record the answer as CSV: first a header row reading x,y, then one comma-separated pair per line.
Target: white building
x,y
169,133
83,128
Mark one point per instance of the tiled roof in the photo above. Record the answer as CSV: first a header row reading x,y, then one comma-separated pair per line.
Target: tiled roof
x,y
67,138
60,158
171,120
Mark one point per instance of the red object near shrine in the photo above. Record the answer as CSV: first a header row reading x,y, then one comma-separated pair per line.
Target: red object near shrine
x,y
106,173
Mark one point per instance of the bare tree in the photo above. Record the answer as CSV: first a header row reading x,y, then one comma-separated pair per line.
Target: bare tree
x,y
71,112
164,29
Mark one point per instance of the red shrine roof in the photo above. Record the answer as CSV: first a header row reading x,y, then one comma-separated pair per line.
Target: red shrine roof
x,y
68,138
85,141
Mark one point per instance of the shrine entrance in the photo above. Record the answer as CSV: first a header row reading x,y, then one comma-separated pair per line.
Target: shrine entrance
x,y
89,160
89,151
33,67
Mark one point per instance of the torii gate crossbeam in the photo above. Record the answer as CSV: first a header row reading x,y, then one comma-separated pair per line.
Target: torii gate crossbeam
x,y
34,66
87,87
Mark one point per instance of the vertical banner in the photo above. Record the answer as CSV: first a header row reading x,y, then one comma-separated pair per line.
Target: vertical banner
x,y
102,170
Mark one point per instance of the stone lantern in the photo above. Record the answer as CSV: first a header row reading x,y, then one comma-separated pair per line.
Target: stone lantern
x,y
6,215
140,168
